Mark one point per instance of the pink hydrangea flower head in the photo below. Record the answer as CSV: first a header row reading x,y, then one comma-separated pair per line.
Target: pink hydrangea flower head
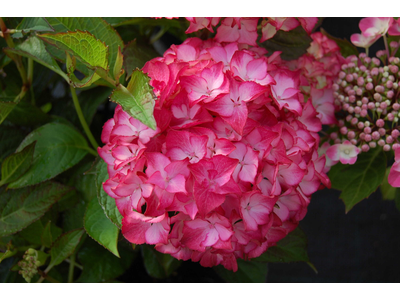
x,y
394,174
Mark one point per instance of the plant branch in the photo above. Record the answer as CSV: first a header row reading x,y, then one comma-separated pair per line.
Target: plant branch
x,y
30,79
71,268
82,119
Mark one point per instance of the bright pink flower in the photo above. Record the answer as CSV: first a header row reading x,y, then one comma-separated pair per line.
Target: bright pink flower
x,y
308,23
243,31
362,41
246,169
394,29
346,153
255,209
200,23
285,93
183,144
394,175
323,103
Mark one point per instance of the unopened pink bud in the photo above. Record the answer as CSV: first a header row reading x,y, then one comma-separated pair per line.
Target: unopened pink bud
x,y
382,131
390,117
346,106
395,133
379,110
380,123
333,135
365,148
396,106
381,143
351,92
386,147
389,139
367,60
383,105
367,129
376,61
354,120
335,86
349,77
364,106
360,125
377,97
351,134
363,68
389,84
394,44
341,123
363,113
368,138
338,141
343,130
350,109
369,86
362,136
393,69
375,135
395,146
371,105
342,74
357,110
352,98
364,100
372,144
353,141
359,92
348,118
374,71
390,94
379,89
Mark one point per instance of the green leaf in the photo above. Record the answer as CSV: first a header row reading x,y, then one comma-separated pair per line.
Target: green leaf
x,y
106,202
16,164
118,71
34,48
10,138
33,24
96,26
293,43
64,246
99,265
58,148
157,264
388,192
292,248
135,56
19,208
346,47
91,51
26,114
50,233
248,272
100,228
10,251
360,180
77,83
137,99
33,233
5,108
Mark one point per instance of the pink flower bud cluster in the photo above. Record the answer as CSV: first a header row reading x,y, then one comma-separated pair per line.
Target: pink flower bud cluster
x,y
231,167
368,95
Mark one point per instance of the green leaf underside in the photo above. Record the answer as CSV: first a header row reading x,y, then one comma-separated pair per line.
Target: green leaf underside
x,y
137,99
293,43
100,228
158,265
292,248
34,48
90,50
248,272
64,246
96,26
135,56
19,208
26,114
16,164
106,202
360,180
50,233
34,24
58,148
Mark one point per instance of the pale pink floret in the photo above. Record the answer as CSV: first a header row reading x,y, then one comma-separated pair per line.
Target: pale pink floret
x,y
246,169
363,41
323,100
346,153
285,93
243,31
255,209
198,23
394,29
374,26
394,175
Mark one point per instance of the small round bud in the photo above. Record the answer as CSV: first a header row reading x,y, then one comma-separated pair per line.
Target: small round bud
x,y
382,131
343,130
365,148
386,147
349,77
389,139
369,86
379,89
368,138
333,135
375,135
390,94
372,144
363,113
380,123
360,125
395,133
377,97
342,75
371,105
381,143
390,117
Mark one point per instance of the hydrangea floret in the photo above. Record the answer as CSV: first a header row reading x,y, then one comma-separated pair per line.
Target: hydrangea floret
x,y
231,167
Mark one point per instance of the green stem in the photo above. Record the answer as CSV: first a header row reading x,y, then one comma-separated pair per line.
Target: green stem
x,y
82,119
386,46
71,268
366,51
30,79
75,263
16,58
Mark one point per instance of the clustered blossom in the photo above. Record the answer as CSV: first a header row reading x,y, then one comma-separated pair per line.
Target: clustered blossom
x,y
231,167
244,30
